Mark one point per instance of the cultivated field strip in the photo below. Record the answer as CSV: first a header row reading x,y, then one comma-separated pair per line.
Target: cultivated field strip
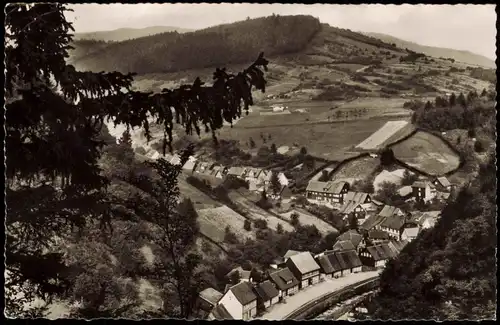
x,y
381,135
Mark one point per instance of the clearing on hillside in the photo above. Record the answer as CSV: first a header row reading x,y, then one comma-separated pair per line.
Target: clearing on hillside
x,y
308,219
213,223
428,153
357,169
378,138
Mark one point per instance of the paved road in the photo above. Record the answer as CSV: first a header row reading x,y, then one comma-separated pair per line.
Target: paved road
x,y
282,310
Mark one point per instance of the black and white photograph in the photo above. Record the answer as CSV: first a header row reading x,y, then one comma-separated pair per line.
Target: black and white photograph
x,y
246,161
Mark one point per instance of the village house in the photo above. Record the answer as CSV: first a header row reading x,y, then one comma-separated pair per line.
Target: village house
x,y
267,295
238,172
218,171
330,265
189,166
176,159
357,203
252,174
352,236
393,225
442,184
397,246
240,301
409,233
424,190
283,179
377,236
219,313
375,221
343,245
376,255
289,253
286,283
332,192
244,276
304,268
351,259
203,167
206,302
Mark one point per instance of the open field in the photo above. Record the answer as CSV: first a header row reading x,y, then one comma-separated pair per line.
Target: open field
x,y
332,141
214,221
427,153
308,219
199,199
358,169
258,213
379,137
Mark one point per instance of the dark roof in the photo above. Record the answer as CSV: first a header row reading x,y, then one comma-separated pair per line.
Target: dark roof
x,y
388,211
326,187
341,261
373,221
266,290
220,312
343,245
325,264
349,207
351,257
351,235
393,222
381,252
243,291
377,234
281,276
359,197
334,261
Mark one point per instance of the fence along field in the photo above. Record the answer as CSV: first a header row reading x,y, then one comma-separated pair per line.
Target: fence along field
x,y
378,138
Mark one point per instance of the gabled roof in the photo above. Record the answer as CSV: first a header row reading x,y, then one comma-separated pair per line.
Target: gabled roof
x,y
326,187
377,234
238,269
388,211
349,207
243,291
393,222
343,245
220,312
411,232
357,197
325,264
351,235
422,184
211,295
334,261
443,181
189,165
280,278
290,253
372,221
351,258
381,251
341,262
266,290
176,159
304,262
236,171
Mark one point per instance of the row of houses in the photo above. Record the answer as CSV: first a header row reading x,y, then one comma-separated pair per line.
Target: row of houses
x,y
337,192
292,273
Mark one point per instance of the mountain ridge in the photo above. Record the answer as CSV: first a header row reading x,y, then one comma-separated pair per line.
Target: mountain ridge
x,y
123,34
464,56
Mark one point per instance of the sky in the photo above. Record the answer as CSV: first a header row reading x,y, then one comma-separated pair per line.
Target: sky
x,y
462,27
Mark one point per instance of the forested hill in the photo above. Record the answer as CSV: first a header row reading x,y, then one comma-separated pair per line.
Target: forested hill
x,y
221,45
448,272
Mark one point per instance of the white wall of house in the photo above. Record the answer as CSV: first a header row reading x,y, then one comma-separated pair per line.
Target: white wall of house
x,y
346,272
232,305
304,283
356,269
267,303
380,263
274,300
250,310
337,274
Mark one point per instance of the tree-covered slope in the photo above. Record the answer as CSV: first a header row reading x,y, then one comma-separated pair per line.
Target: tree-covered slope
x,y
220,45
123,34
448,272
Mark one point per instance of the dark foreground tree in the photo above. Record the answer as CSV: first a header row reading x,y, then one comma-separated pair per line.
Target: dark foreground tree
x,y
54,114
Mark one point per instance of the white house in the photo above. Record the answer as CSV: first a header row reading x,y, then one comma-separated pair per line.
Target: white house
x,y
240,301
277,109
282,179
410,234
424,190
